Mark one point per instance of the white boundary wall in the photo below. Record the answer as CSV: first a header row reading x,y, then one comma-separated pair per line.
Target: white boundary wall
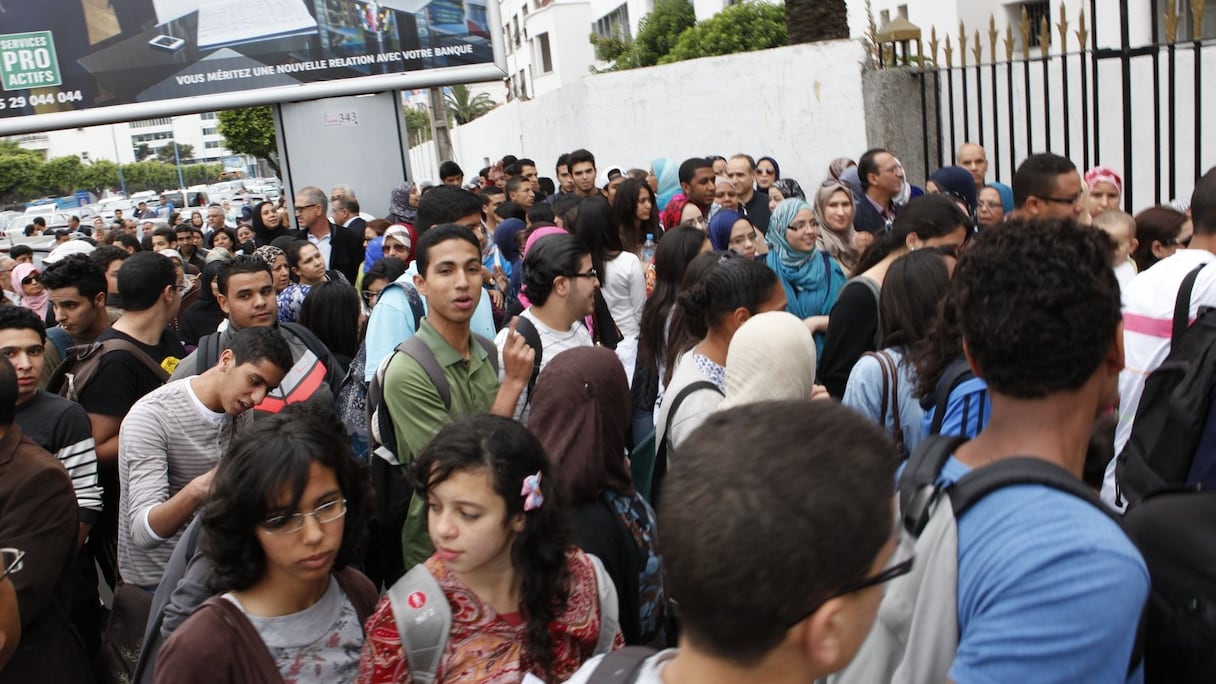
x,y
800,104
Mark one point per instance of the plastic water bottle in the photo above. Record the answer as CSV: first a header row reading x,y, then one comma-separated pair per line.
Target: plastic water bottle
x,y
648,248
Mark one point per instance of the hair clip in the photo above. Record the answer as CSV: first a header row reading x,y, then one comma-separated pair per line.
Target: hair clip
x,y
533,498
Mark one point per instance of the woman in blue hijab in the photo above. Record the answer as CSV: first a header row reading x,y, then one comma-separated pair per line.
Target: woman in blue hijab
x,y
956,182
731,231
506,237
812,279
668,174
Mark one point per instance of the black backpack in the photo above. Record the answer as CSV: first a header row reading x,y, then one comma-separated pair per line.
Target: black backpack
x,y
1173,444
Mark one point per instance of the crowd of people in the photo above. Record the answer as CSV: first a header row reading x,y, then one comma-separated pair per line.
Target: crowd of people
x,y
518,423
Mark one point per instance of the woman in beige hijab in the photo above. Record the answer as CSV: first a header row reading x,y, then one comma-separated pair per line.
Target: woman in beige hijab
x,y
771,357
833,209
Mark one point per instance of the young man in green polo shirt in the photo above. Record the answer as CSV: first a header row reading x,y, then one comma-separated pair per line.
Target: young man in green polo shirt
x,y
449,276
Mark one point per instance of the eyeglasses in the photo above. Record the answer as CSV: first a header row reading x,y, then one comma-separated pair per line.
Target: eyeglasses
x,y
370,296
766,172
990,206
588,274
290,524
1063,200
1166,243
803,225
12,560
301,207
893,572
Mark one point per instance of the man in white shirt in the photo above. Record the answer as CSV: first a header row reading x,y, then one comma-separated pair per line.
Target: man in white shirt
x,y
173,437
560,284
1148,314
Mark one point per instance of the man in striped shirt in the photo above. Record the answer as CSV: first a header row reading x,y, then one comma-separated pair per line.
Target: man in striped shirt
x,y
173,437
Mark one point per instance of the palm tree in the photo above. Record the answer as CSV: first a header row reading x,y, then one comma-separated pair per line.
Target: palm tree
x,y
807,21
463,107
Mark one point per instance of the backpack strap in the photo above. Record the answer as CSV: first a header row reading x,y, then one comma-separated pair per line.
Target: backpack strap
x,y
531,335
621,667
918,488
208,352
874,288
1182,304
424,621
1020,470
660,458
417,350
417,308
886,382
891,369
955,373
61,339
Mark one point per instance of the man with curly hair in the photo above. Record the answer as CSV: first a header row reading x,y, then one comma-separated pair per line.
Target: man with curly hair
x,y
1050,589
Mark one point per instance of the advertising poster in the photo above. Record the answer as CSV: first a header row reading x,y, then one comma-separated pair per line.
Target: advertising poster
x,y
75,62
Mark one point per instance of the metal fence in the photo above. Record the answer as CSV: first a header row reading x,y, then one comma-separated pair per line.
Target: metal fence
x,y
1138,109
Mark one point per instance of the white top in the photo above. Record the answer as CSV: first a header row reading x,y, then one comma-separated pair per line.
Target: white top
x,y
553,342
623,284
695,408
1148,318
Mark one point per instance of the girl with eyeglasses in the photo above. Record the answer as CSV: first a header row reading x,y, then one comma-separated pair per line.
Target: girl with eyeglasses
x,y
286,515
812,278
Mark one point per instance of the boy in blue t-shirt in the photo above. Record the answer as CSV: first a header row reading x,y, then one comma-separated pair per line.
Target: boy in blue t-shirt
x,y
1050,589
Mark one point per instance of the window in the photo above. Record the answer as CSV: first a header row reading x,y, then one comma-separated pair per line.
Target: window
x,y
207,116
150,137
523,85
1037,11
210,131
546,58
211,145
1185,19
614,24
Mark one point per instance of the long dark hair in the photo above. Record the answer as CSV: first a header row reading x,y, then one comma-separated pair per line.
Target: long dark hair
x,y
913,288
927,216
1161,224
331,310
275,452
510,453
625,206
942,344
715,284
675,251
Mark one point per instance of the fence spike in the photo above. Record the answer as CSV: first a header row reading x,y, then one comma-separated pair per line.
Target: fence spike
x,y
1063,28
949,53
1197,20
992,34
979,49
933,44
1082,33
1171,22
1024,26
962,44
1044,36
920,53
1008,43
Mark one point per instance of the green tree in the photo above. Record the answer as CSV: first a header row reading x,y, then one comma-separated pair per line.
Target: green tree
x,y
143,151
418,125
250,131
61,176
463,107
99,175
165,153
659,31
739,28
18,174
810,20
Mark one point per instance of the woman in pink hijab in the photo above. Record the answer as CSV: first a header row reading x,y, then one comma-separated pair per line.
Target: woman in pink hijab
x,y
33,295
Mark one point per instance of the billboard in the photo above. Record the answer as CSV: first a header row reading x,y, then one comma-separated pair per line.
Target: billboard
x,y
66,63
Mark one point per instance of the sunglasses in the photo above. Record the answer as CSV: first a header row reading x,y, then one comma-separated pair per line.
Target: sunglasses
x,y
29,280
893,572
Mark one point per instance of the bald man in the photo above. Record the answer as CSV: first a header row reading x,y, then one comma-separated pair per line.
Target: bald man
x,y
973,158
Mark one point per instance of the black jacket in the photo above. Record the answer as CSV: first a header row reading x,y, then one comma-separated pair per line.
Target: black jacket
x,y
346,250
